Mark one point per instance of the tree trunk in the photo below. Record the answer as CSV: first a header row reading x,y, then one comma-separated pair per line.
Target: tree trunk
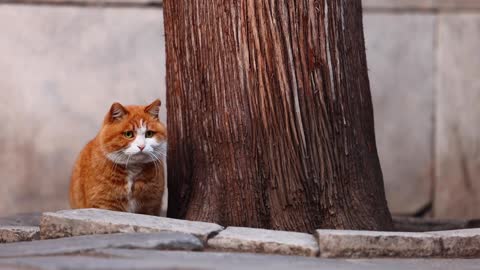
x,y
270,116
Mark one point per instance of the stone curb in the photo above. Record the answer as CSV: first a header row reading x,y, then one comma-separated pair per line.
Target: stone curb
x,y
460,243
264,241
11,234
325,243
369,244
68,223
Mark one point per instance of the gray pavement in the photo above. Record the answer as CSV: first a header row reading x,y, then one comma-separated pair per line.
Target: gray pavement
x,y
150,259
79,244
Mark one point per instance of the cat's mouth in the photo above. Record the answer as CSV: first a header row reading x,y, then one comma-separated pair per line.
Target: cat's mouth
x,y
122,157
140,157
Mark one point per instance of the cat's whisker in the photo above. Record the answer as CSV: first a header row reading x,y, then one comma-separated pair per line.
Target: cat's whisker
x,y
114,166
162,154
155,156
126,166
116,161
157,168
161,163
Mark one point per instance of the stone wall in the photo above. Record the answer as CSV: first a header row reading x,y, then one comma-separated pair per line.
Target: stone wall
x,y
424,72
64,63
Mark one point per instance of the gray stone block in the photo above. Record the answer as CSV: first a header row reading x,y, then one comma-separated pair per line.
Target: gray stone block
x,y
264,241
10,234
399,53
68,223
163,240
370,244
460,243
457,144
61,69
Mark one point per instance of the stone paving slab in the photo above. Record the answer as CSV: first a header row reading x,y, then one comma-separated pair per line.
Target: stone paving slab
x,y
146,259
10,234
460,243
96,221
264,241
163,240
368,244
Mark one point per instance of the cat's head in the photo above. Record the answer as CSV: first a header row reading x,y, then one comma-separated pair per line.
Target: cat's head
x,y
134,134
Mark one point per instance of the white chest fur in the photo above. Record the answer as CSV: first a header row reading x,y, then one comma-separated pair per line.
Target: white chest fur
x,y
131,176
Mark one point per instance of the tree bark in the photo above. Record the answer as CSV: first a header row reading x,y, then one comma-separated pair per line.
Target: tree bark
x,y
270,116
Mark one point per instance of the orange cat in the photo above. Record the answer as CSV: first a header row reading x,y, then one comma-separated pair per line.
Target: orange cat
x,y
121,169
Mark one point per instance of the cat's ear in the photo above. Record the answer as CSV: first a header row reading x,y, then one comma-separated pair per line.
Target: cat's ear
x,y
154,108
117,111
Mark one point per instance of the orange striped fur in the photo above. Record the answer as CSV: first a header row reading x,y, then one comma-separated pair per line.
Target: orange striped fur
x,y
122,168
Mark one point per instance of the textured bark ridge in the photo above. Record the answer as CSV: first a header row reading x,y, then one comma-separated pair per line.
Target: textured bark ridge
x,y
270,116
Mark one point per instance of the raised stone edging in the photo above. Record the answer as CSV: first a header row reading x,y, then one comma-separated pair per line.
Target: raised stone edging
x,y
459,243
325,243
96,221
373,244
361,244
264,241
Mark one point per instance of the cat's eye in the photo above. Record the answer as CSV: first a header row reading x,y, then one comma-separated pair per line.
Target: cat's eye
x,y
149,134
128,134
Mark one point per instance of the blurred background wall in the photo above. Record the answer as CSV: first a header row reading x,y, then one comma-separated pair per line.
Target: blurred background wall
x,y
424,62
62,64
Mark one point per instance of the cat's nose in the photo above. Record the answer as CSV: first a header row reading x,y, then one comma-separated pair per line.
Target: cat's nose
x,y
141,147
